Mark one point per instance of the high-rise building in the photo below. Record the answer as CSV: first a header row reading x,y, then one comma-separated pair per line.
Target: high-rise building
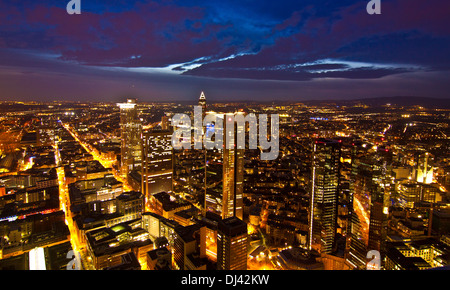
x,y
131,131
232,244
424,169
369,211
202,102
165,124
224,178
157,163
324,187
409,193
189,250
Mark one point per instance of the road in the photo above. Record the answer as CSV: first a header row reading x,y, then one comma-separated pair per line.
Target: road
x,y
106,163
77,245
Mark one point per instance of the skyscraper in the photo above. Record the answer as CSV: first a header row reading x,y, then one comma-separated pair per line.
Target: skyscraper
x,y
369,211
424,169
224,178
157,166
165,124
202,103
131,131
324,195
232,244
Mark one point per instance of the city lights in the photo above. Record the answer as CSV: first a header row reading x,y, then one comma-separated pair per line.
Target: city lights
x,y
338,190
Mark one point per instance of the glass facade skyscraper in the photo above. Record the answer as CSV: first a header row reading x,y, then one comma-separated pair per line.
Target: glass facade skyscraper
x,y
131,134
369,214
157,162
224,178
232,244
324,188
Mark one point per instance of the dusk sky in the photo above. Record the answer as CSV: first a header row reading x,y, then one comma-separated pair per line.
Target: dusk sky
x,y
233,50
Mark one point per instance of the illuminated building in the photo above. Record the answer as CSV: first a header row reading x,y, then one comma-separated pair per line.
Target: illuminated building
x,y
369,212
430,193
151,223
130,205
224,180
131,131
129,261
300,259
190,247
37,259
100,193
107,245
159,227
324,195
424,170
232,244
165,124
167,205
157,166
46,135
159,259
409,194
90,170
26,232
412,192
417,255
202,102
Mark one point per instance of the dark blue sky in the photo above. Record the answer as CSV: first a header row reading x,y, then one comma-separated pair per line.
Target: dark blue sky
x,y
233,50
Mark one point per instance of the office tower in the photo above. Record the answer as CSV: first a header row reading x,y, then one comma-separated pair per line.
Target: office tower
x,y
424,170
409,193
232,244
430,193
369,211
157,166
202,102
224,178
131,131
324,195
165,124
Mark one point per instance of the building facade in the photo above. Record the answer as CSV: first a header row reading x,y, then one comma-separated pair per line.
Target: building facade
x,y
232,244
324,195
224,176
131,132
157,162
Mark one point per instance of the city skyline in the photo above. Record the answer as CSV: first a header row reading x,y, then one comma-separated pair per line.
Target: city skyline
x,y
253,50
349,182
225,135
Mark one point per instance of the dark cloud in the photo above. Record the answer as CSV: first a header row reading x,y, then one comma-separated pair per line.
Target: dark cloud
x,y
299,41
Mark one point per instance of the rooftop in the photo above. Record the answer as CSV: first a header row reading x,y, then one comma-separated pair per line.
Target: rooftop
x,y
233,226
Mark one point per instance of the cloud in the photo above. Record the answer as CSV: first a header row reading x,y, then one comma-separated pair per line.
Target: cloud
x,y
250,40
407,37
